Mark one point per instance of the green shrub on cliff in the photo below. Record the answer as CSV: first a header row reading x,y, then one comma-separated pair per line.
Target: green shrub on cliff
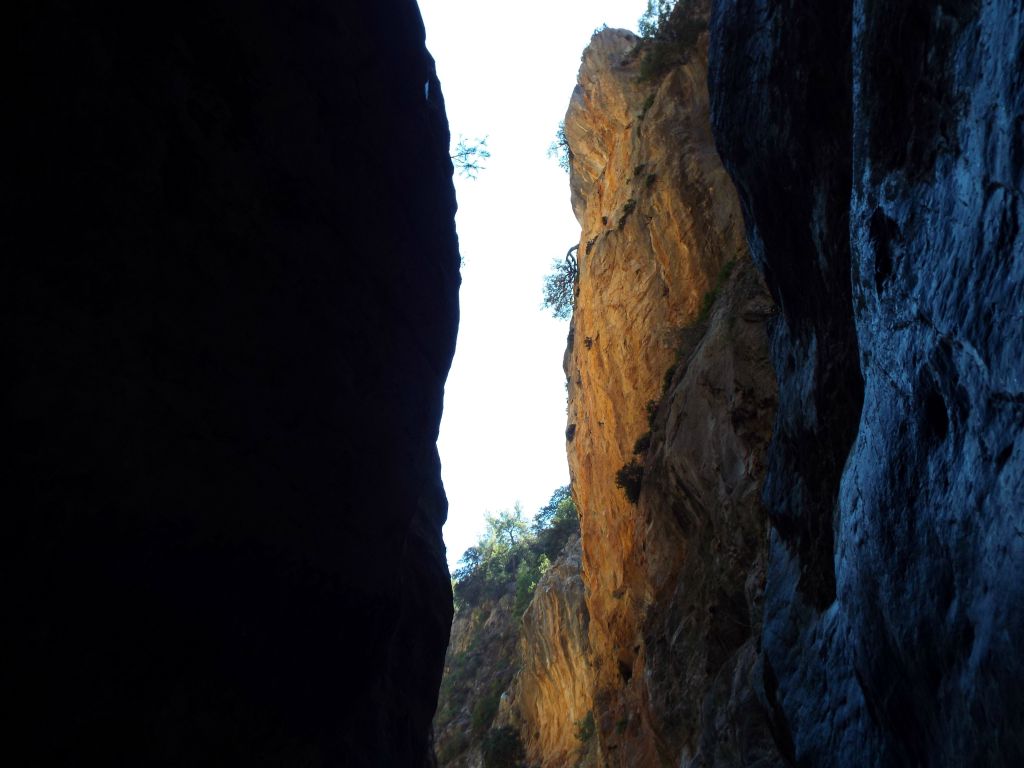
x,y
556,522
486,570
512,555
654,18
669,33
630,478
485,708
559,148
585,728
560,286
529,573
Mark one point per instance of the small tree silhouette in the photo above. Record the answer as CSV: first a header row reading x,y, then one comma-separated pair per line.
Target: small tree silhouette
x,y
560,285
469,156
559,148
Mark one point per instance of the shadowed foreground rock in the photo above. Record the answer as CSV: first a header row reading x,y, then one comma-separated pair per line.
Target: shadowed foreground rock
x,y
234,275
882,186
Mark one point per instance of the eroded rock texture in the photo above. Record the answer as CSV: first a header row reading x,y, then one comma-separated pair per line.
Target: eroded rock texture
x,y
881,181
552,691
670,312
233,274
517,673
481,662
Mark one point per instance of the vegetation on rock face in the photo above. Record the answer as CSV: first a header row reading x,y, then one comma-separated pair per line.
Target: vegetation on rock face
x,y
669,34
486,707
493,587
502,748
560,285
629,478
474,680
513,554
586,728
559,148
627,209
655,17
648,103
712,295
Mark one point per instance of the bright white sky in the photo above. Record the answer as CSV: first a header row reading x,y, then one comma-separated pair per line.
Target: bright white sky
x,y
507,71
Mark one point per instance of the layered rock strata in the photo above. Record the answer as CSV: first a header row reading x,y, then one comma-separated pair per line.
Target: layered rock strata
x,y
876,147
232,273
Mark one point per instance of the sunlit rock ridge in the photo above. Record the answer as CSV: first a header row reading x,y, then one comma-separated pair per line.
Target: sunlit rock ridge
x,y
668,347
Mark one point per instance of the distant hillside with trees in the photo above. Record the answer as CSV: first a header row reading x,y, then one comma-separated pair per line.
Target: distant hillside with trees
x,y
493,585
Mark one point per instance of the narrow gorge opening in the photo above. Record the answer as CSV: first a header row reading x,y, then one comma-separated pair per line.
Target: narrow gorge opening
x,y
597,634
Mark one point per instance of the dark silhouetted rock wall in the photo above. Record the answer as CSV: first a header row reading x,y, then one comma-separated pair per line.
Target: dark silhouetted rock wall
x,y
233,278
878,149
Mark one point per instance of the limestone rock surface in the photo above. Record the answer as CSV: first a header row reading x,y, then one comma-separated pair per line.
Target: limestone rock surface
x,y
553,688
668,344
877,148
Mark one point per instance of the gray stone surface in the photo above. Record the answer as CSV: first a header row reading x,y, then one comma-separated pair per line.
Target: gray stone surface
x,y
882,181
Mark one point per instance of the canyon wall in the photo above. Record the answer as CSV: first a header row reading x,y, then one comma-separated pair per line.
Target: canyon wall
x,y
668,373
553,691
877,149
480,665
232,276
526,673
641,644
797,467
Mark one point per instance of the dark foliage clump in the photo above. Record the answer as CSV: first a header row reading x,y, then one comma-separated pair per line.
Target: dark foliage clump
x,y
648,103
670,34
627,209
629,479
652,412
485,708
669,375
502,748
556,522
586,728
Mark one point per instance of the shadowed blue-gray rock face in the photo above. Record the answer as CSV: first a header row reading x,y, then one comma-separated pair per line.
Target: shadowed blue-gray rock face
x,y
882,182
